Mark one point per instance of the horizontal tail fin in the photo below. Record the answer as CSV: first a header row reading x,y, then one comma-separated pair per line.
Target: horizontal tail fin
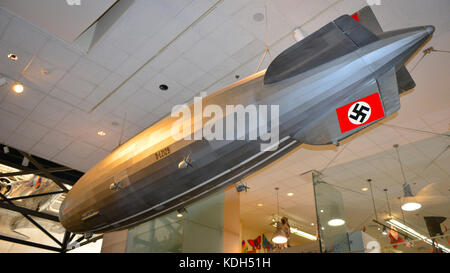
x,y
336,39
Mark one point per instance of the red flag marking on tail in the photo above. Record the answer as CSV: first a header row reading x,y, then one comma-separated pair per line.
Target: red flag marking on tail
x,y
360,112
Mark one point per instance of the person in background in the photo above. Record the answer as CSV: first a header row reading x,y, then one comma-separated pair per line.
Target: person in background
x,y
286,228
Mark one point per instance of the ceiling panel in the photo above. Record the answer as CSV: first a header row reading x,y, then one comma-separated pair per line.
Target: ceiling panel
x,y
59,17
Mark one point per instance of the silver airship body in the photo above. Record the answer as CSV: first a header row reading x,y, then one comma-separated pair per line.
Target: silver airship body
x,y
152,174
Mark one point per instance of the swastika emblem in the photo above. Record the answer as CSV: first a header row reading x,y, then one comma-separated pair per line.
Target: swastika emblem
x,y
359,112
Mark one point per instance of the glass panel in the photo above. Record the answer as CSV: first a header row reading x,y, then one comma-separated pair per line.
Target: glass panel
x,y
260,211
374,213
330,217
200,229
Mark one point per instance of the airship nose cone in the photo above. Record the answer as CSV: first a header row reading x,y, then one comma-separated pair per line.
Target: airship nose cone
x,y
430,29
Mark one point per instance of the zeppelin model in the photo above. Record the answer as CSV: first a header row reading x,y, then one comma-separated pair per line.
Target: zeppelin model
x,y
339,80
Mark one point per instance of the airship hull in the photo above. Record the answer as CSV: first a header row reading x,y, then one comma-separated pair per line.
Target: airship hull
x,y
142,180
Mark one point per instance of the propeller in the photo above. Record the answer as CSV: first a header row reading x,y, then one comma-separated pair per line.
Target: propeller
x,y
186,162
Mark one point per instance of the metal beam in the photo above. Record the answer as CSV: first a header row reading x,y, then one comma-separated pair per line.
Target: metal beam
x,y
71,237
92,240
46,173
18,166
34,195
23,242
50,170
65,242
88,241
29,212
21,211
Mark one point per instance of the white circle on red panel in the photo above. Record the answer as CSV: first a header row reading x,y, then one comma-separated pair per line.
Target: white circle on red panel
x,y
359,113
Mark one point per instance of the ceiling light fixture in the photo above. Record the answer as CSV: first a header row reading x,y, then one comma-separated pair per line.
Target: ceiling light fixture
x,y
17,88
303,234
408,230
163,87
336,222
336,215
181,212
279,237
101,133
410,204
290,194
364,189
259,205
13,57
300,233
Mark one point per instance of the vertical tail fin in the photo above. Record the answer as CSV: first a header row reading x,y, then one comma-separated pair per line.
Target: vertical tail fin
x,y
404,80
368,19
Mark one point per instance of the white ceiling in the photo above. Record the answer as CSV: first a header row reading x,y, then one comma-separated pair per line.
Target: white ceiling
x,y
64,19
53,117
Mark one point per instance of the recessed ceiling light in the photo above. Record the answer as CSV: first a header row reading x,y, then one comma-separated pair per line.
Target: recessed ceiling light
x,y
17,88
290,194
312,224
44,72
163,87
101,133
321,210
260,205
13,57
258,17
365,189
179,215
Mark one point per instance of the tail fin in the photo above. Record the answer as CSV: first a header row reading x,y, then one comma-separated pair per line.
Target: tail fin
x,y
404,80
367,18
